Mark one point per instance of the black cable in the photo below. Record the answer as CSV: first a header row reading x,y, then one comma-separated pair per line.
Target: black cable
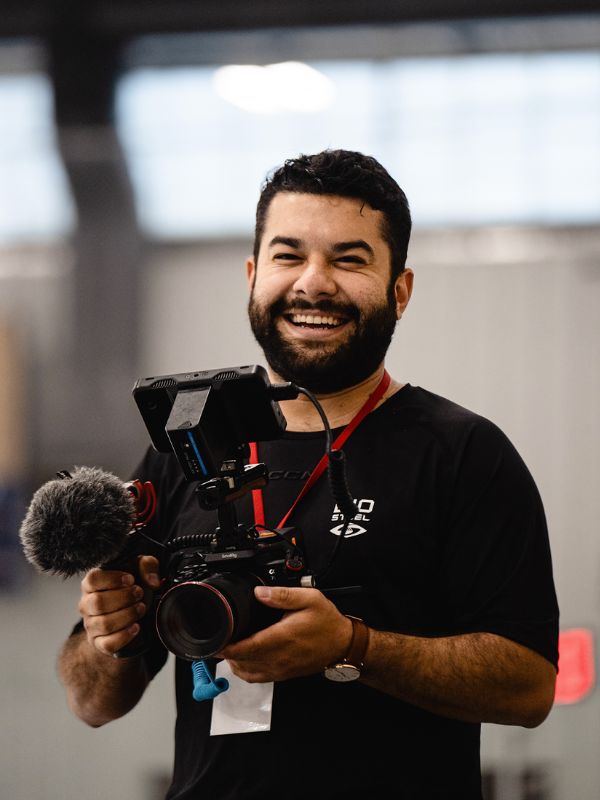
x,y
190,540
322,414
334,552
143,535
337,480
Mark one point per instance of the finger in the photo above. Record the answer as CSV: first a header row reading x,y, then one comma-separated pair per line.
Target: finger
x,y
149,571
97,603
109,645
254,675
109,624
291,598
99,580
246,649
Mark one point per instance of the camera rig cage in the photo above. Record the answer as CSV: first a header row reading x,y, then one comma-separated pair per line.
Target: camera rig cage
x,y
207,420
208,417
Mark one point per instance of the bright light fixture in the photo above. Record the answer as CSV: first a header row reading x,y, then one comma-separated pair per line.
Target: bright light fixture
x,y
275,88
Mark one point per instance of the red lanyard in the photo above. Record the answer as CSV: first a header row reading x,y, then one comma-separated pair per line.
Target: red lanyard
x,y
369,405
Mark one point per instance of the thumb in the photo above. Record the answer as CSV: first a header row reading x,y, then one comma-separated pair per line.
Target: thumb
x,y
288,597
149,570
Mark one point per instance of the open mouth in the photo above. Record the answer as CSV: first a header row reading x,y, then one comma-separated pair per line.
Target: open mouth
x,y
316,321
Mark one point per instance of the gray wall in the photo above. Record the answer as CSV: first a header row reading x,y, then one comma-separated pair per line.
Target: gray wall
x,y
504,321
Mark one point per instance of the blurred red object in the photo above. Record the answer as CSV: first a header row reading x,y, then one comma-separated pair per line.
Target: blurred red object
x,y
576,670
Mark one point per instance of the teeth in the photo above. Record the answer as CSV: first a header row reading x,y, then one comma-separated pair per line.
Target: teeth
x,y
310,319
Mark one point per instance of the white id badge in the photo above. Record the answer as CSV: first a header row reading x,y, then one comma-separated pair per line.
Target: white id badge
x,y
243,708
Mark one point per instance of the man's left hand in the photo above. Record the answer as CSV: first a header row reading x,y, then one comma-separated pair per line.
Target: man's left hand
x,y
311,634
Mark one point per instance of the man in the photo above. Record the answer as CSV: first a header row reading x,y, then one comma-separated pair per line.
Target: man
x,y
449,544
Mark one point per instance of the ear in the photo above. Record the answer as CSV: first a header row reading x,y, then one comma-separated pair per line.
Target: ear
x,y
250,272
403,290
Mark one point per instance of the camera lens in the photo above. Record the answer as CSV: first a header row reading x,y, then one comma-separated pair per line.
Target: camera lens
x,y
196,619
196,613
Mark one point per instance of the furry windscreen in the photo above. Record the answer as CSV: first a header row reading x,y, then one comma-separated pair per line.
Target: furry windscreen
x,y
74,524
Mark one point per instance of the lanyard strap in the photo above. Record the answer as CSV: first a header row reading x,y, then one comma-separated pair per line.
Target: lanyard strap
x,y
367,407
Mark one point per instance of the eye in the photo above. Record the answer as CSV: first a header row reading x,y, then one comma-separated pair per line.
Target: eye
x,y
350,260
286,257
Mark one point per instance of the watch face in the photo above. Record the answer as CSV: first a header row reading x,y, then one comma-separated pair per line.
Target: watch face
x,y
342,673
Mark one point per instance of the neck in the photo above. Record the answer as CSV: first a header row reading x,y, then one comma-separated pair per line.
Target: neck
x,y
339,407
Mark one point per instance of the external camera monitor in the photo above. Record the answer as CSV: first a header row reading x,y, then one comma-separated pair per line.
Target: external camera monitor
x,y
204,417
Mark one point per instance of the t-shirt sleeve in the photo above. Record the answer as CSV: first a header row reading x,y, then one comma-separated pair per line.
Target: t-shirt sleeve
x,y
498,565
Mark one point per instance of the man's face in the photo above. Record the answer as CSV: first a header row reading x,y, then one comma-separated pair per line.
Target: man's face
x,y
322,305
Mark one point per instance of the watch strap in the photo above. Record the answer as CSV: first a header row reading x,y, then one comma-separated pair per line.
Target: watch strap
x,y
358,644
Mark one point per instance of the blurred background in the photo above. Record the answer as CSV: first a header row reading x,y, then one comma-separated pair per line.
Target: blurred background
x,y
133,141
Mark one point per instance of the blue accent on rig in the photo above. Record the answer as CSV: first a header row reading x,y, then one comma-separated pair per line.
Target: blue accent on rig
x,y
205,686
197,452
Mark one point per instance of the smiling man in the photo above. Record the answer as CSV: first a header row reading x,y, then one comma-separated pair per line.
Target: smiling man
x,y
434,608
324,307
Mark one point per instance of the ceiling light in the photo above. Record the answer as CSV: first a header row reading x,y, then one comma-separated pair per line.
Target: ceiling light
x,y
290,86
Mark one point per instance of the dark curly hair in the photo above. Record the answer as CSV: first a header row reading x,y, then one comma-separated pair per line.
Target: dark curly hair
x,y
344,173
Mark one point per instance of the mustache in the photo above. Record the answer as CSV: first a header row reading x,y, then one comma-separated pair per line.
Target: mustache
x,y
283,306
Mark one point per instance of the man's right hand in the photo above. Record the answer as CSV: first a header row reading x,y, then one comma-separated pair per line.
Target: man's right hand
x,y
111,604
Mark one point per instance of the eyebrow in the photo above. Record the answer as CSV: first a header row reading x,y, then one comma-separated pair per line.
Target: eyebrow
x,y
288,240
338,247
355,244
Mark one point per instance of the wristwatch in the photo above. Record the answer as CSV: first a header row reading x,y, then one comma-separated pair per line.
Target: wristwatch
x,y
349,668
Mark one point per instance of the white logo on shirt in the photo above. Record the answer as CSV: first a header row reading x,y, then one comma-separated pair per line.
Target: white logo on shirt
x,y
364,509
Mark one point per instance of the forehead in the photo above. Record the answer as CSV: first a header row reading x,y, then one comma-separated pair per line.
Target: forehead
x,y
322,219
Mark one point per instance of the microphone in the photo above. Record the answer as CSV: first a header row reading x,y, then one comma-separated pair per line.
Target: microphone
x,y
80,521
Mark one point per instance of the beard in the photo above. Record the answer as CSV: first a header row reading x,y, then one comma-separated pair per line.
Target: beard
x,y
320,366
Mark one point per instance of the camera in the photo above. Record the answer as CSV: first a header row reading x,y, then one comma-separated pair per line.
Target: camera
x,y
207,597
208,420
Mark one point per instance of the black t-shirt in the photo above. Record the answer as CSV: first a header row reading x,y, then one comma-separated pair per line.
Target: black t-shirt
x,y
450,538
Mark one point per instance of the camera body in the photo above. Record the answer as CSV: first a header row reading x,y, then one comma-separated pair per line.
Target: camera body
x,y
207,598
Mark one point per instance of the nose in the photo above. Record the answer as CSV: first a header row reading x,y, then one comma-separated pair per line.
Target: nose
x,y
316,280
